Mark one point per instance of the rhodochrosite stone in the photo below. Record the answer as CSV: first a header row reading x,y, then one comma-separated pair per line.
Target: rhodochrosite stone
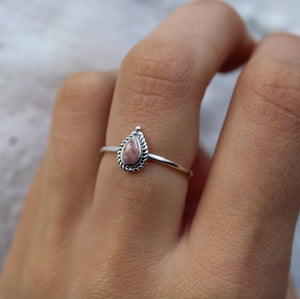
x,y
131,152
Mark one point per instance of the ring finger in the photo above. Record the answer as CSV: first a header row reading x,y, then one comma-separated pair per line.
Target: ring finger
x,y
160,86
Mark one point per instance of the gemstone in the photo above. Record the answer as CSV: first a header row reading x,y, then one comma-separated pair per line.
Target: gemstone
x,y
131,151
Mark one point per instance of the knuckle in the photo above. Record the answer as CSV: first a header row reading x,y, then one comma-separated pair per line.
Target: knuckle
x,y
274,86
167,60
82,90
157,74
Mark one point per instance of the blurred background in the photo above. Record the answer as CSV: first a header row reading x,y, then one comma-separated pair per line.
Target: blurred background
x,y
41,42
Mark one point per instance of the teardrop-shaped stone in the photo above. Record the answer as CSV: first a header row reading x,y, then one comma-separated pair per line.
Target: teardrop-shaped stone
x,y
131,151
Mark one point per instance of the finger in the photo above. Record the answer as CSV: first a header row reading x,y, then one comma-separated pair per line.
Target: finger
x,y
79,121
159,87
18,249
249,207
78,130
63,189
82,102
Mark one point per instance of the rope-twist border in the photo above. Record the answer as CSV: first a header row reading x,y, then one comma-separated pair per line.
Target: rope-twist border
x,y
144,152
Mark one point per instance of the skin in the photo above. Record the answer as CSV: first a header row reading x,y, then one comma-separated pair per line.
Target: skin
x,y
91,230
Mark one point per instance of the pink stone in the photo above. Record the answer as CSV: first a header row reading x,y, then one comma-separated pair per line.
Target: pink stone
x,y
131,151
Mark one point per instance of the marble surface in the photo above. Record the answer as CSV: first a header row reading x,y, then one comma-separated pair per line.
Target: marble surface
x,y
41,42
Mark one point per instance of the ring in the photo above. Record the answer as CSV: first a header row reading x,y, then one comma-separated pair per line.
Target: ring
x,y
133,153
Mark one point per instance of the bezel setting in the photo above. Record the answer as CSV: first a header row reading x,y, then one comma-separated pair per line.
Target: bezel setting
x,y
144,152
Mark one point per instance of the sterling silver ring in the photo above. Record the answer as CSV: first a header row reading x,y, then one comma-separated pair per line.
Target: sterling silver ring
x,y
133,153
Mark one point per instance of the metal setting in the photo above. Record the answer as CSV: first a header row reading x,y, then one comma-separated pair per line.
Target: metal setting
x,y
143,150
144,154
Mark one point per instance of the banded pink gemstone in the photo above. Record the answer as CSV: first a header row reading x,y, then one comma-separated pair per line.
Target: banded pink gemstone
x,y
131,151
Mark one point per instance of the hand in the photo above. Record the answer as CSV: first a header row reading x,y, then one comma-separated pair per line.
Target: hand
x,y
91,230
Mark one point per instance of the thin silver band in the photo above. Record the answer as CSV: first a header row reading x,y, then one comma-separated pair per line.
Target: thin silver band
x,y
133,154
188,172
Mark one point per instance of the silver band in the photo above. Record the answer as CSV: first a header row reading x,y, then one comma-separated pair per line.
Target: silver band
x,y
144,154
